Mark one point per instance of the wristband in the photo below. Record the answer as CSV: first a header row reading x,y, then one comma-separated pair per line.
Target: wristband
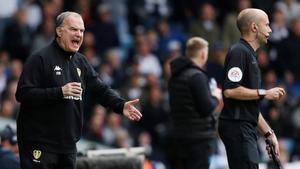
x,y
261,93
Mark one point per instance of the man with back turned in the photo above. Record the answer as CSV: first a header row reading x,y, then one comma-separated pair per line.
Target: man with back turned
x,y
50,91
193,106
242,93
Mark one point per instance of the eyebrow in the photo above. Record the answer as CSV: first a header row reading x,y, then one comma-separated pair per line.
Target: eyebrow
x,y
72,27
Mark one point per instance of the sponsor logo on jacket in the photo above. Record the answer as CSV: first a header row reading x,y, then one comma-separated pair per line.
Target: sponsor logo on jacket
x,y
57,70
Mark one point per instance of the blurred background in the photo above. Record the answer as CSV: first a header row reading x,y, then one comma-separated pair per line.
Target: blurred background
x,y
131,43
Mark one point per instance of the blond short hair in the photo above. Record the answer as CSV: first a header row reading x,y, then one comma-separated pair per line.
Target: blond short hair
x,y
194,45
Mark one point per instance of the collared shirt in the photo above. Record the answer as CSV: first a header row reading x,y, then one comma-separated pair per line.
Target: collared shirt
x,y
241,69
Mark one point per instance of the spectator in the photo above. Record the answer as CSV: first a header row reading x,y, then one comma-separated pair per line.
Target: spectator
x,y
89,40
18,36
15,70
156,118
4,57
147,62
278,26
206,25
33,13
279,33
147,12
263,60
174,51
231,33
122,139
44,35
215,66
104,29
113,125
167,34
3,78
51,8
289,8
7,11
120,18
7,109
10,92
154,156
289,51
112,58
132,89
9,149
96,124
84,8
92,56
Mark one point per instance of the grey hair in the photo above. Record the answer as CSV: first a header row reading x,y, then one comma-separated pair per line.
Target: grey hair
x,y
61,17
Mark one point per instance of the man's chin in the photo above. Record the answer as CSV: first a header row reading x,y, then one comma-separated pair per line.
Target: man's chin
x,y
264,41
74,50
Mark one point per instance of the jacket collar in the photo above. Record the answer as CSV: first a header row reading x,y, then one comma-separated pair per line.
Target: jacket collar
x,y
66,54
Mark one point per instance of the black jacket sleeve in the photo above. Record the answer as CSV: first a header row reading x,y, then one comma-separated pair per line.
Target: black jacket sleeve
x,y
105,95
30,88
205,103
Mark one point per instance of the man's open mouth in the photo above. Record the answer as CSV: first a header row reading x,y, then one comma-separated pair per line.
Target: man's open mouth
x,y
75,42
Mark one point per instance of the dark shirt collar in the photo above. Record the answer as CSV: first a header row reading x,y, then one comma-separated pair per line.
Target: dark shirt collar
x,y
63,52
243,41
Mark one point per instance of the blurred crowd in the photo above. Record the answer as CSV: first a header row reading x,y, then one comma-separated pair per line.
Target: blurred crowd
x,y
131,44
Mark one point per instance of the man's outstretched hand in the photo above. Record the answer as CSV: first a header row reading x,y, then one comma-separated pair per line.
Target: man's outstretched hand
x,y
131,112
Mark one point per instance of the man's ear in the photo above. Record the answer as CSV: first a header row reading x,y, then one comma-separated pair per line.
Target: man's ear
x,y
254,27
58,31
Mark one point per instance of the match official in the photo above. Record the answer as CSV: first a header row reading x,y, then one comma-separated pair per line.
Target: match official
x,y
242,93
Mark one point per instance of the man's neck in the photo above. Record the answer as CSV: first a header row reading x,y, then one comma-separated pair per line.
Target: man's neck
x,y
253,42
197,62
60,44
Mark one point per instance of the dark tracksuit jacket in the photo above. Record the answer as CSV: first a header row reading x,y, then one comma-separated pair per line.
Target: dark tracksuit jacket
x,y
191,102
46,118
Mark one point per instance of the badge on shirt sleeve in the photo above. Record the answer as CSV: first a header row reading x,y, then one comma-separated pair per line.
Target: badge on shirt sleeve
x,y
235,74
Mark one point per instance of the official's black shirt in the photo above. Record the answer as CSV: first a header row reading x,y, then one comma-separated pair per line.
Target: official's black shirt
x,y
241,69
47,119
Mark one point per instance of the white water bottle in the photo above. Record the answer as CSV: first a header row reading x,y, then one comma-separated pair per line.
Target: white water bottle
x,y
212,84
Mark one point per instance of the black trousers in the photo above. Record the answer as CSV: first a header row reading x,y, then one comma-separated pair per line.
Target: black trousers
x,y
240,140
194,154
32,157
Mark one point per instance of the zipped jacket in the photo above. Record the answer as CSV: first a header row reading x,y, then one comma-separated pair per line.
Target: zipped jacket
x,y
46,117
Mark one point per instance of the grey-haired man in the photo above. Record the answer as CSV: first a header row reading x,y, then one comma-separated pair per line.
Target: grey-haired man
x,y
50,91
